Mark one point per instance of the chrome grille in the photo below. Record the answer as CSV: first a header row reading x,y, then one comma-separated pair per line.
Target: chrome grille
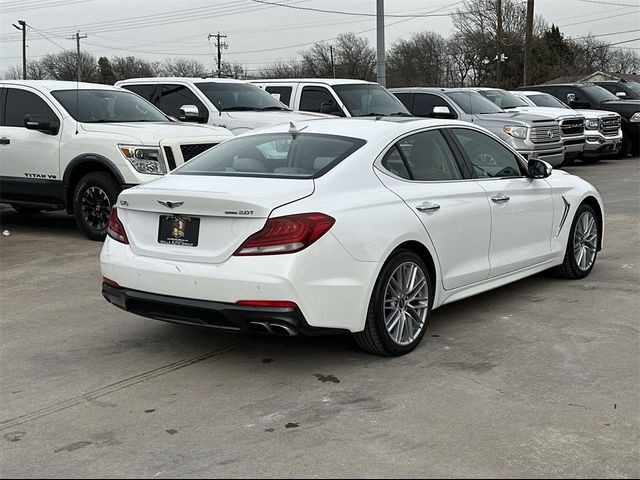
x,y
190,151
548,134
610,125
572,126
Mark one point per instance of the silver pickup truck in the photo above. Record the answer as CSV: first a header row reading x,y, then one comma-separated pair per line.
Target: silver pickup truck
x,y
534,136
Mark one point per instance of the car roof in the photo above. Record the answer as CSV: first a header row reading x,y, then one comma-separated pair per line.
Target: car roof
x,y
181,79
327,81
530,92
430,89
50,85
370,128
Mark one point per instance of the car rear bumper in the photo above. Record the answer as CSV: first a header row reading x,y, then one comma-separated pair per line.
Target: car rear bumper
x,y
287,321
329,287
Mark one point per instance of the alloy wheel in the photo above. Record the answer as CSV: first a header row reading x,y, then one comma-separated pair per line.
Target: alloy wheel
x,y
585,239
96,207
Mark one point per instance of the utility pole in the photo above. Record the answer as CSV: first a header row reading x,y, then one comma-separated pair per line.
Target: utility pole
x,y
380,63
528,46
23,27
219,45
333,65
499,44
77,38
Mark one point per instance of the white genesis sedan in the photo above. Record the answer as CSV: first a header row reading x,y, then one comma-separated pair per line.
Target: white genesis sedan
x,y
357,225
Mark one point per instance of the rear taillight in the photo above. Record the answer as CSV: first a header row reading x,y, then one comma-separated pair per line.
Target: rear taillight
x,y
115,229
287,234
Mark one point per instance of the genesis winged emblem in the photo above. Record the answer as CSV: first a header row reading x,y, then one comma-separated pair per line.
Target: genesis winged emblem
x,y
169,203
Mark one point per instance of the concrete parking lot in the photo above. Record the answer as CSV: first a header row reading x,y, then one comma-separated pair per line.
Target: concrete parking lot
x,y
540,378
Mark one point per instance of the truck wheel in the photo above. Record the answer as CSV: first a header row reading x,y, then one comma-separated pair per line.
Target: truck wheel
x,y
93,197
26,210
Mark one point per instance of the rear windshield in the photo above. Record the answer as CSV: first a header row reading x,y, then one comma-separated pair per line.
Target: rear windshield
x,y
282,155
503,99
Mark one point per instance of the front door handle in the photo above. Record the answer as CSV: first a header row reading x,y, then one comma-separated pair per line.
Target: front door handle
x,y
428,207
500,199
5,141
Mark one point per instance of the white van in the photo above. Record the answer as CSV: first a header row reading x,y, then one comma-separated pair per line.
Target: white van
x,y
335,96
233,104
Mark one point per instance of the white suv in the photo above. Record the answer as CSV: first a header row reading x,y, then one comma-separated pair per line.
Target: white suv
x,y
234,104
75,146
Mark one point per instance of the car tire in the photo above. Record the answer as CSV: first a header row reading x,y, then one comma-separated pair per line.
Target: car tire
x,y
582,245
93,198
26,210
394,326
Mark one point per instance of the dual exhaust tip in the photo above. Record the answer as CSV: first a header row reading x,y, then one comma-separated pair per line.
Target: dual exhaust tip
x,y
272,328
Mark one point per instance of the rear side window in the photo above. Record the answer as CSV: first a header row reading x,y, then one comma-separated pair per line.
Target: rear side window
x,y
429,157
145,91
21,103
282,155
172,97
284,92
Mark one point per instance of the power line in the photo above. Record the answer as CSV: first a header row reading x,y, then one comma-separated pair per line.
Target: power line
x,y
606,34
610,3
355,14
594,20
20,8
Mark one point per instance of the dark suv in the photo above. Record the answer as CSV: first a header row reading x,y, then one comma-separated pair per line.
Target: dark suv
x,y
622,89
592,96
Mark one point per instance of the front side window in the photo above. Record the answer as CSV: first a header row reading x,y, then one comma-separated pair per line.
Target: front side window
x,y
282,155
369,99
489,158
173,97
107,106
21,103
425,102
319,99
145,91
228,97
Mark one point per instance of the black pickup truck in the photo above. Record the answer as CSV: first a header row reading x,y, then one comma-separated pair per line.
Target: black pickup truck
x,y
591,96
622,89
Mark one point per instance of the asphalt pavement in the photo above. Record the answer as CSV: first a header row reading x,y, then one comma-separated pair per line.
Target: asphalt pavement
x,y
540,378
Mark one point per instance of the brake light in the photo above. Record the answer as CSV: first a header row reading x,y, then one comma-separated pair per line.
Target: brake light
x,y
267,303
111,283
115,229
287,234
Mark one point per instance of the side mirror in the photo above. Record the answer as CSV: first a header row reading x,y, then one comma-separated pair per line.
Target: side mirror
x,y
621,94
539,168
42,123
189,113
275,95
571,98
442,112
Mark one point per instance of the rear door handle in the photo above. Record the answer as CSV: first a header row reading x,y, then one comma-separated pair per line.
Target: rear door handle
x,y
5,141
428,207
500,199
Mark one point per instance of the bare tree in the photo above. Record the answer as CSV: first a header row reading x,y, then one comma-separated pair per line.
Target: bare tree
x,y
132,67
421,60
292,69
183,67
63,66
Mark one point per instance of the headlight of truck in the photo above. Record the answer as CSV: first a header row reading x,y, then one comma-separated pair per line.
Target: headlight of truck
x,y
635,117
514,131
592,124
144,159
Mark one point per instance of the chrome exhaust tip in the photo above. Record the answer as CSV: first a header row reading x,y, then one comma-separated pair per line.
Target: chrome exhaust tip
x,y
260,327
283,330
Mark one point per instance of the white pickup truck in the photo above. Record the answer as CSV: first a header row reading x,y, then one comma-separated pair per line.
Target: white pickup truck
x,y
74,146
233,104
335,96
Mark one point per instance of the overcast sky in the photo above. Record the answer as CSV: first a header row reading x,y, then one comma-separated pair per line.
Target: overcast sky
x,y
259,34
